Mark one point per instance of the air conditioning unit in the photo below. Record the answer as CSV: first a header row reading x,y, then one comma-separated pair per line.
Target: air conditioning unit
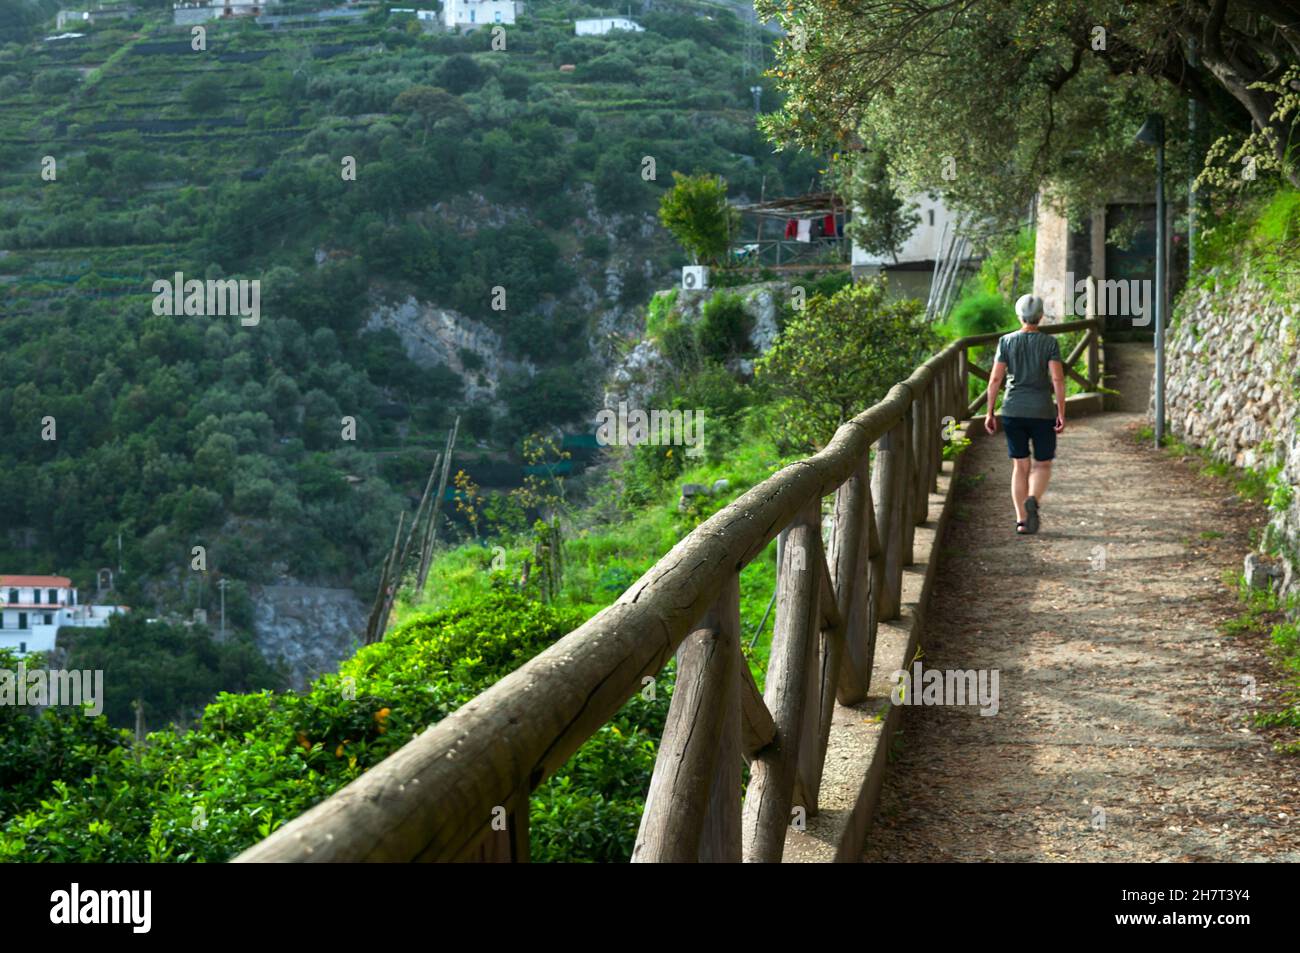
x,y
695,278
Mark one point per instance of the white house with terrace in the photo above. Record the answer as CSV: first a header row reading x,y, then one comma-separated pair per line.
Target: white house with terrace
x,y
474,13
599,26
34,608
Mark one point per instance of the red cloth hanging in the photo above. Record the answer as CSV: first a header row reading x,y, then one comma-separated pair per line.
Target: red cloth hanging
x,y
791,228
828,226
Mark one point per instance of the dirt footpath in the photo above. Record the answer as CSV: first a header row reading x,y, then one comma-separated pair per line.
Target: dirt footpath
x,y
1124,725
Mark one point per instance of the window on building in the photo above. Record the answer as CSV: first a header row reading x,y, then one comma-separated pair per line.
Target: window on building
x,y
22,646
22,620
36,597
53,596
13,596
49,618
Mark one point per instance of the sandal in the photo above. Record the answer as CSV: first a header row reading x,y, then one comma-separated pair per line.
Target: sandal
x,y
1031,512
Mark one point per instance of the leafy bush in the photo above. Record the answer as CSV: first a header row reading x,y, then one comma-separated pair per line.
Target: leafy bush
x,y
71,789
204,94
982,314
724,327
460,74
54,82
174,670
658,310
839,356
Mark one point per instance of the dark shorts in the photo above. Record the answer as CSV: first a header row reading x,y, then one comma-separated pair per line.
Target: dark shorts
x,y
1021,430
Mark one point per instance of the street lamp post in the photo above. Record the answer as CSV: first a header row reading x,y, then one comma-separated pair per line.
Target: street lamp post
x,y
222,586
1152,133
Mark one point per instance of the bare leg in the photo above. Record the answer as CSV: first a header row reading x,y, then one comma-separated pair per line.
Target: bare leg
x,y
1019,486
1039,474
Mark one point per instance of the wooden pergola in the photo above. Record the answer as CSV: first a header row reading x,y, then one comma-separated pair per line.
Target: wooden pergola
x,y
783,252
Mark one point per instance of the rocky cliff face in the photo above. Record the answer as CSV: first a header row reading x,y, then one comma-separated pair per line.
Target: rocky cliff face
x,y
439,336
1233,388
635,377
636,256
307,629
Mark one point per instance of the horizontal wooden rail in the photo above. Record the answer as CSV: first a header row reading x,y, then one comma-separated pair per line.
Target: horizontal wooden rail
x,y
460,790
1091,342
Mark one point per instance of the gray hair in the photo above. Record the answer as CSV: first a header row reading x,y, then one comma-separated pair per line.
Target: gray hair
x,y
1029,309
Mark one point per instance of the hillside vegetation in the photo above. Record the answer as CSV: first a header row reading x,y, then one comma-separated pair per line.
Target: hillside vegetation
x,y
129,156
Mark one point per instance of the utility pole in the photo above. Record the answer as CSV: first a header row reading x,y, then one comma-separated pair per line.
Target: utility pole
x,y
137,748
1152,133
1195,120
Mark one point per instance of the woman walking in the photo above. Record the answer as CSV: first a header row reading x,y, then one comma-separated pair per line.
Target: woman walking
x,y
1033,412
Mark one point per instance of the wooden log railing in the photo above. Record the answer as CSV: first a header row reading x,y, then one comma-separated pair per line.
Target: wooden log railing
x,y
460,791
1090,379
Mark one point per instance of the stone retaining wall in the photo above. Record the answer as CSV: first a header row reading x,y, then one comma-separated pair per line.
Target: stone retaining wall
x,y
1233,388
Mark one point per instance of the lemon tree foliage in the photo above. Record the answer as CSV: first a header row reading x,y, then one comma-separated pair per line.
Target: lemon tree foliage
x,y
984,100
75,789
840,355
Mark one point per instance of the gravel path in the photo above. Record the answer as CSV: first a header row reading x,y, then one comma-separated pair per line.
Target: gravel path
x,y
1123,733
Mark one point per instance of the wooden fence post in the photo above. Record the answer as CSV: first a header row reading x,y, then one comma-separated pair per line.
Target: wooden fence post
x,y
849,566
770,795
907,493
886,492
963,381
720,840
706,700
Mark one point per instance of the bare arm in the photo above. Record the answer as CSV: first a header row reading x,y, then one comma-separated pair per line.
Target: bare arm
x,y
1057,370
996,377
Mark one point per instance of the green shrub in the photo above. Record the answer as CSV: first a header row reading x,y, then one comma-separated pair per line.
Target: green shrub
x,y
680,346
73,789
982,314
54,82
724,327
840,355
204,94
658,311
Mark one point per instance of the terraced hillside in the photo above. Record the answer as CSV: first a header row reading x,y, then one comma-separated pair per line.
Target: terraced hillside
x,y
438,228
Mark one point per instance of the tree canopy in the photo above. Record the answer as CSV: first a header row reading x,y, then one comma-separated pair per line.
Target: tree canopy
x,y
695,210
840,354
985,100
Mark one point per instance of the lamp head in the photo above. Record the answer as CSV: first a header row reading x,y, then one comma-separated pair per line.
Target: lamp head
x,y
1152,132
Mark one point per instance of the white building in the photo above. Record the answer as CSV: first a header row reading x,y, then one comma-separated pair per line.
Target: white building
x,y
33,608
472,13
91,17
188,12
923,245
599,26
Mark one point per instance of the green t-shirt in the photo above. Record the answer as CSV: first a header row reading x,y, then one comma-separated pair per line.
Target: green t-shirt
x,y
1029,380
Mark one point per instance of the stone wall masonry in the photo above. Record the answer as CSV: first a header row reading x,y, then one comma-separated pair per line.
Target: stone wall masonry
x,y
1233,389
